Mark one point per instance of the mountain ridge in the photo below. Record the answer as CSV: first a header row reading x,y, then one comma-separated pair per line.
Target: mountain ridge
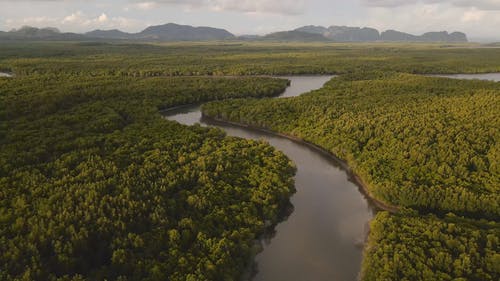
x,y
167,32
294,36
368,34
175,32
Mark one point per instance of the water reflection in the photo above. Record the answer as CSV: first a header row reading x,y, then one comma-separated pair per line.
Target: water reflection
x,y
322,238
483,76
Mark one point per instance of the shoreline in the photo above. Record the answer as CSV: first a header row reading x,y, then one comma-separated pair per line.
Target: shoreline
x,y
168,109
374,204
6,74
343,164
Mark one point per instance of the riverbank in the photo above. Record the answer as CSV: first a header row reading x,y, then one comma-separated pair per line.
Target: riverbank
x,y
384,135
343,164
490,76
323,239
6,75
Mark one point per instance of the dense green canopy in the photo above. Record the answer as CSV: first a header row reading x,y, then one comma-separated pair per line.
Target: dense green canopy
x,y
414,247
96,185
430,144
426,143
176,59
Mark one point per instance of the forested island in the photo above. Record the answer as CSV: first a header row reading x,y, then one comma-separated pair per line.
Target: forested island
x,y
96,185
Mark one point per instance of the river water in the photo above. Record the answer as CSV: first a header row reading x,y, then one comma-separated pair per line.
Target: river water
x,y
483,76
323,238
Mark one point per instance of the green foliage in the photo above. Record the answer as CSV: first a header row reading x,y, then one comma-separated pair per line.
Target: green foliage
x,y
95,184
427,248
242,58
420,142
430,144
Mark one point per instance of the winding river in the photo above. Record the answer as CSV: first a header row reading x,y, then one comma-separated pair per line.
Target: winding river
x,y
323,238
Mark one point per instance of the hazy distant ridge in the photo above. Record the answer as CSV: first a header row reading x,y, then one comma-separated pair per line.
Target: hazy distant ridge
x,y
175,32
110,34
367,34
297,36
33,33
166,32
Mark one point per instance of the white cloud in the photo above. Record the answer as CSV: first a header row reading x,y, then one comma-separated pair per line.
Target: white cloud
x,y
290,7
74,18
388,3
286,7
473,15
78,22
143,6
31,21
478,4
102,18
79,18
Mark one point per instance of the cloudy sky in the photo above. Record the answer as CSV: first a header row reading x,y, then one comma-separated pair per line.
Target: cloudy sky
x,y
478,18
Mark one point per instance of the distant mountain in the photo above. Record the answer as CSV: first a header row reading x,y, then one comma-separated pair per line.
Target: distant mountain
x,y
367,34
175,32
352,34
109,34
443,36
33,33
297,36
313,29
343,33
394,35
29,31
166,32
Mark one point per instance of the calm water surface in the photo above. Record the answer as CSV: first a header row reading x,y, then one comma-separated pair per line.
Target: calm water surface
x,y
322,239
484,76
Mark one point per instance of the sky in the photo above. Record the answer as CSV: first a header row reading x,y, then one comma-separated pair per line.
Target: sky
x,y
480,19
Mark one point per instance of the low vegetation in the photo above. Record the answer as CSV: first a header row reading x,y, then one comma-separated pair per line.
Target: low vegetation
x,y
96,185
